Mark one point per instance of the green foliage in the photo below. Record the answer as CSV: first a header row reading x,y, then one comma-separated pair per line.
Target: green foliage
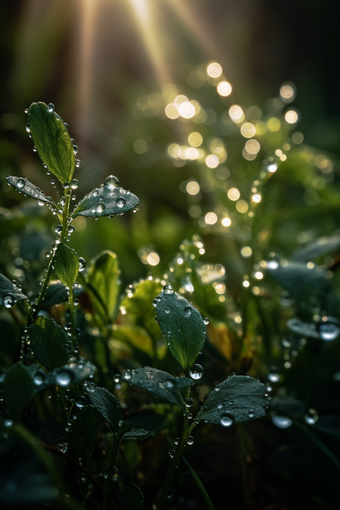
x,y
50,344
107,405
18,389
182,326
24,186
10,292
66,265
52,140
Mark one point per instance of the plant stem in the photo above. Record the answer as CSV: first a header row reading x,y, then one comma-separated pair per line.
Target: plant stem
x,y
200,486
72,315
319,444
113,454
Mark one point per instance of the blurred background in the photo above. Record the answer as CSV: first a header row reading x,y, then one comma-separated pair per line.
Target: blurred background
x,y
111,67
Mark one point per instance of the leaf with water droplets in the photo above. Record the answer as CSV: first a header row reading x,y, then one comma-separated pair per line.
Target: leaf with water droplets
x,y
102,283
66,265
107,405
320,246
27,188
71,373
10,292
132,498
52,140
50,343
303,328
160,384
182,326
18,388
137,434
84,431
106,201
56,294
239,398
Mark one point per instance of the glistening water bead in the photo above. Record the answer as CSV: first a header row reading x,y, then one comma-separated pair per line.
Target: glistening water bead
x,y
82,264
328,329
63,378
196,371
111,182
8,301
168,289
226,420
282,422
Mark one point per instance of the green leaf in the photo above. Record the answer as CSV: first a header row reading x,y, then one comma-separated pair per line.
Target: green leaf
x,y
107,200
56,294
102,281
71,373
52,140
303,328
137,434
182,326
160,384
106,404
316,248
18,388
84,432
24,186
287,405
10,292
135,336
238,399
66,265
132,498
138,305
51,345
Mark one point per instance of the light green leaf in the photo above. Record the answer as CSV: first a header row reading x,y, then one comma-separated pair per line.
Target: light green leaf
x,y
182,326
160,384
107,200
106,404
18,389
137,434
238,399
66,265
10,292
50,343
102,281
52,140
24,186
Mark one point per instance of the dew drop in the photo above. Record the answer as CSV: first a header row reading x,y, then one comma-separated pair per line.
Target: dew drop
x,y
41,203
190,440
51,107
187,311
311,417
127,375
8,422
169,384
81,402
74,184
120,202
58,229
70,229
20,183
111,182
167,309
282,422
273,377
63,378
26,110
328,329
8,301
196,371
168,289
100,208
226,420
62,447
251,413
189,402
206,321
82,264
39,378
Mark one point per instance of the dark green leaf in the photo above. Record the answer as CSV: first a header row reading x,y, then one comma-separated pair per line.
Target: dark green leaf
x,y
239,398
329,425
51,345
10,293
52,140
66,265
132,498
303,328
70,373
24,186
287,405
139,306
316,248
56,294
182,326
106,404
137,434
103,286
18,389
106,201
84,431
160,384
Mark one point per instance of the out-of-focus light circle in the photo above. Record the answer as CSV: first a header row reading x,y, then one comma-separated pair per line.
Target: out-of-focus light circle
x,y
246,252
272,167
291,117
224,88
254,113
171,111
247,156
191,153
195,211
140,146
253,146
261,128
234,194
153,258
192,187
287,92
226,222
174,150
273,124
186,110
242,206
236,113
210,218
248,130
214,70
256,198
246,283
212,161
180,99
195,139
258,275
297,138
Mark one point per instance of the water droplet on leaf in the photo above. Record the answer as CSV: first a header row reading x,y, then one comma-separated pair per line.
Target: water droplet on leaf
x,y
226,420
282,422
196,371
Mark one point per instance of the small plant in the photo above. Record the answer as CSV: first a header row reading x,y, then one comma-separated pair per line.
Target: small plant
x,y
51,404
